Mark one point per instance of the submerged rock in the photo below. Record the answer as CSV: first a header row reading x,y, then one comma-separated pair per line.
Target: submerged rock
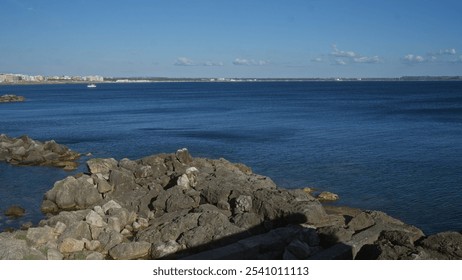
x,y
328,196
15,211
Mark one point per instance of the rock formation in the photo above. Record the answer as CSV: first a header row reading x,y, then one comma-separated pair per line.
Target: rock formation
x,y
11,98
26,151
176,206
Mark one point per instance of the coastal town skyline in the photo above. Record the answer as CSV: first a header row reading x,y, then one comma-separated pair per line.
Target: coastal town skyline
x,y
271,39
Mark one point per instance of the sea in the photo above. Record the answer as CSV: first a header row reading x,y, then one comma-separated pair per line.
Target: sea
x,y
389,146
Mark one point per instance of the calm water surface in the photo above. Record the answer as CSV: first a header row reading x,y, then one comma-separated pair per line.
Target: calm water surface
x,y
390,146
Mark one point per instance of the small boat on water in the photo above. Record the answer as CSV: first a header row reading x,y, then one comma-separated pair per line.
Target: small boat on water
x,y
91,86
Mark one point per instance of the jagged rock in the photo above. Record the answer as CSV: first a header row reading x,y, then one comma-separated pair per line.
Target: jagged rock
x,y
76,230
124,216
59,228
122,179
164,249
91,245
18,249
99,210
109,239
102,166
41,235
183,156
331,235
95,232
157,163
130,251
65,217
243,204
114,223
74,193
15,211
281,207
178,201
128,164
54,254
70,245
143,171
328,196
103,185
26,225
49,206
26,151
94,219
110,205
95,256
189,179
444,245
6,98
165,201
248,221
361,221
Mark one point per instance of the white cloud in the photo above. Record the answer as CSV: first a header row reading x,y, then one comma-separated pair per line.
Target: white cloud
x,y
339,53
210,63
249,62
183,61
340,61
450,51
411,58
441,56
342,57
317,59
459,59
367,59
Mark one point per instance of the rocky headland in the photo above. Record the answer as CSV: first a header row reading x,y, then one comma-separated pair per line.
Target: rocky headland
x,y
26,151
11,98
175,206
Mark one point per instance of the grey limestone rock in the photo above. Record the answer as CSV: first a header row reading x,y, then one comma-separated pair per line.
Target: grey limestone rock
x,y
102,166
130,251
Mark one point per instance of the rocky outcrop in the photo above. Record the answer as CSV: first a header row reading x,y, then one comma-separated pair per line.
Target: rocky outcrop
x,y
11,98
177,206
26,151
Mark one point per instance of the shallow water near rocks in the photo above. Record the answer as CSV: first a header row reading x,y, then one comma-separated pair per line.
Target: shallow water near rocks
x,y
389,146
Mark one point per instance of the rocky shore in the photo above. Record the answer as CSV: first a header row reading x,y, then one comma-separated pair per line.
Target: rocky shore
x,y
26,151
178,207
11,98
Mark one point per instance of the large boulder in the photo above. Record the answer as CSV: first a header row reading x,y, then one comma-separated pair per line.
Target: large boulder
x,y
101,166
74,193
13,248
130,251
443,245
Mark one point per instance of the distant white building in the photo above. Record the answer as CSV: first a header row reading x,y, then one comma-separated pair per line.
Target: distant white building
x,y
93,78
9,78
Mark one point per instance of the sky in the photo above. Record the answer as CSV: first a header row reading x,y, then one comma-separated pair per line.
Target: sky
x,y
232,38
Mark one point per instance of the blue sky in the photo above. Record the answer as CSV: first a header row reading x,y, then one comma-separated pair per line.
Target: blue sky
x,y
235,38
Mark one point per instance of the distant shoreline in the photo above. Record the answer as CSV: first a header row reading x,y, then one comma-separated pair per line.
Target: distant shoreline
x,y
224,80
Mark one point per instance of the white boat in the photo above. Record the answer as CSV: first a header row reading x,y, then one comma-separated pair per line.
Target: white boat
x,y
91,86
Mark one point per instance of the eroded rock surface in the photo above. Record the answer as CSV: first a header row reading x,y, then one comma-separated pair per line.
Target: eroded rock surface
x,y
177,206
26,151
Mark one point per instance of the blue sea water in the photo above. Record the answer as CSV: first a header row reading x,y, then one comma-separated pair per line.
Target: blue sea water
x,y
389,146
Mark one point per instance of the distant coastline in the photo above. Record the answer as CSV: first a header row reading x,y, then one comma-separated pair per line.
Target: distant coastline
x,y
21,79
